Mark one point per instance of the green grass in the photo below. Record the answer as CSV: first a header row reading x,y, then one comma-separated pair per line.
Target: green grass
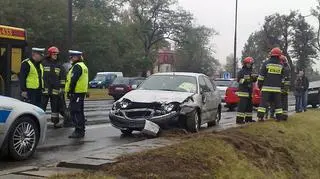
x,y
261,150
98,94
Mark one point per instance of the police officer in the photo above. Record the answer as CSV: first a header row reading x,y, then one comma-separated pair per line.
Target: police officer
x,y
245,80
31,77
76,88
270,82
54,83
286,86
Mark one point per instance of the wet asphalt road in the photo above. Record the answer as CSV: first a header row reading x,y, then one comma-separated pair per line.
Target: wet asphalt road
x,y
58,147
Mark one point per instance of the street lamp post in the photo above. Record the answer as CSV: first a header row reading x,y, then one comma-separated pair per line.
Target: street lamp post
x,y
235,42
70,24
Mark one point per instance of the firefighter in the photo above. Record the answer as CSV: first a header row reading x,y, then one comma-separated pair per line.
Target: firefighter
x,y
76,88
245,79
31,77
270,82
54,82
286,86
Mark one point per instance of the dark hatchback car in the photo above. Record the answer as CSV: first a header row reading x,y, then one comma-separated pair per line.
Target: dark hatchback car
x,y
123,85
314,94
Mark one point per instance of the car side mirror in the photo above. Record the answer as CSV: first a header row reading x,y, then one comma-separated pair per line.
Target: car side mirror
x,y
134,86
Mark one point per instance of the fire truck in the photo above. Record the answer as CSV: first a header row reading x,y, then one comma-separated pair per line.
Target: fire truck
x,y
13,47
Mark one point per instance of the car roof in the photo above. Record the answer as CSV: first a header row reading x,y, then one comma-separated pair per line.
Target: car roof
x,y
180,74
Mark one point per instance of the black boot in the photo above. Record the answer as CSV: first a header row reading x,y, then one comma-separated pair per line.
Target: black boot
x,y
76,135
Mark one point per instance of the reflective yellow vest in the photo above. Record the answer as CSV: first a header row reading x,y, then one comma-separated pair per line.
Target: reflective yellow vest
x,y
32,81
82,83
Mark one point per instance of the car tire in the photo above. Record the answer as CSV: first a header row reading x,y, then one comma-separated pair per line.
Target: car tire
x,y
216,119
30,129
193,122
126,132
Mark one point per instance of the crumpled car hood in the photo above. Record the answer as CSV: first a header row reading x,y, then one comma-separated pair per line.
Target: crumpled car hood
x,y
150,96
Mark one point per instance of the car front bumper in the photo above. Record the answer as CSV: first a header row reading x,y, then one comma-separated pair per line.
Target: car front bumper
x,y
120,120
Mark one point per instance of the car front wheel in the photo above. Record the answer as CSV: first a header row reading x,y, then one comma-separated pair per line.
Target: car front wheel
x,y
23,138
216,119
193,122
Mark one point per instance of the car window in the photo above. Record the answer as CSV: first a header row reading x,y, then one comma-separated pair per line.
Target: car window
x,y
224,83
121,81
178,83
209,84
203,85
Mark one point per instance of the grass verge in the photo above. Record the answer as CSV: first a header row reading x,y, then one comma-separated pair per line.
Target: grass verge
x,y
98,94
261,150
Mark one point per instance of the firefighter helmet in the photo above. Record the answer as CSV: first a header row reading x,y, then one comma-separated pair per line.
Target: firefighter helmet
x,y
276,52
248,60
53,50
283,59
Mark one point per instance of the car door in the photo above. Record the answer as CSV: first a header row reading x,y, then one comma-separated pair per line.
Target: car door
x,y
206,95
215,98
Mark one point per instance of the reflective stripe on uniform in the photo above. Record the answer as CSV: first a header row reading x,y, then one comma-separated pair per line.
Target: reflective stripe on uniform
x,y
274,69
262,109
46,91
278,111
271,89
62,82
285,112
248,114
46,69
242,81
54,115
54,91
242,94
240,114
261,78
246,77
287,83
57,70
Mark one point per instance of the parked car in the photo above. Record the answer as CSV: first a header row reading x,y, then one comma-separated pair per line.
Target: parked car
x,y
122,85
22,127
314,93
104,79
222,85
232,99
165,99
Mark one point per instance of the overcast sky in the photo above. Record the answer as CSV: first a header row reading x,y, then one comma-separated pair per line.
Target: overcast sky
x,y
219,14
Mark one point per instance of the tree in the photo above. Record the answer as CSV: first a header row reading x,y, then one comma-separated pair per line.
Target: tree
x,y
229,63
316,13
255,47
194,52
155,21
303,43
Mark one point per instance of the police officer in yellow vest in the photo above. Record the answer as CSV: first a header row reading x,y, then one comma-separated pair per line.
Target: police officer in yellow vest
x,y
31,77
76,88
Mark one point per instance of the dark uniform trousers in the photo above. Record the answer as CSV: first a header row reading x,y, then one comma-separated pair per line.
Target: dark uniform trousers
x,y
284,101
244,112
54,103
77,112
270,98
34,97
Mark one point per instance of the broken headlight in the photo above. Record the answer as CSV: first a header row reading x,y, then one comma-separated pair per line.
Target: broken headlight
x,y
125,103
169,107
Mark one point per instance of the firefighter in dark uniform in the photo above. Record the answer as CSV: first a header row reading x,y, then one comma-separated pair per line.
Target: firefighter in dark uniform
x,y
54,83
286,86
77,88
31,77
245,80
270,82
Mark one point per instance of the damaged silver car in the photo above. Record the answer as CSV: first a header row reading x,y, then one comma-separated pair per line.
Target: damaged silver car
x,y
186,100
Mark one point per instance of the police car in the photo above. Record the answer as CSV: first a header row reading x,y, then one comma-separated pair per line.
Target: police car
x,y
22,128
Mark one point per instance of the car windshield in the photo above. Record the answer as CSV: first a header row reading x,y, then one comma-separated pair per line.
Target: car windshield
x,y
225,83
100,78
177,83
121,81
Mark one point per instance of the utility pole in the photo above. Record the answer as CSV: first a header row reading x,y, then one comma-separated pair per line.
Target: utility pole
x,y
235,42
69,24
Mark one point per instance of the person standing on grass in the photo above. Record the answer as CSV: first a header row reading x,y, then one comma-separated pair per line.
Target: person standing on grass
x,y
305,87
298,92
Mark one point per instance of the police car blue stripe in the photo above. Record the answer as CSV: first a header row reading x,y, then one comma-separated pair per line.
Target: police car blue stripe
x,y
4,114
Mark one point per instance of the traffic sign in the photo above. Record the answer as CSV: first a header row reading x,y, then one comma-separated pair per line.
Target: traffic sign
x,y
226,75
